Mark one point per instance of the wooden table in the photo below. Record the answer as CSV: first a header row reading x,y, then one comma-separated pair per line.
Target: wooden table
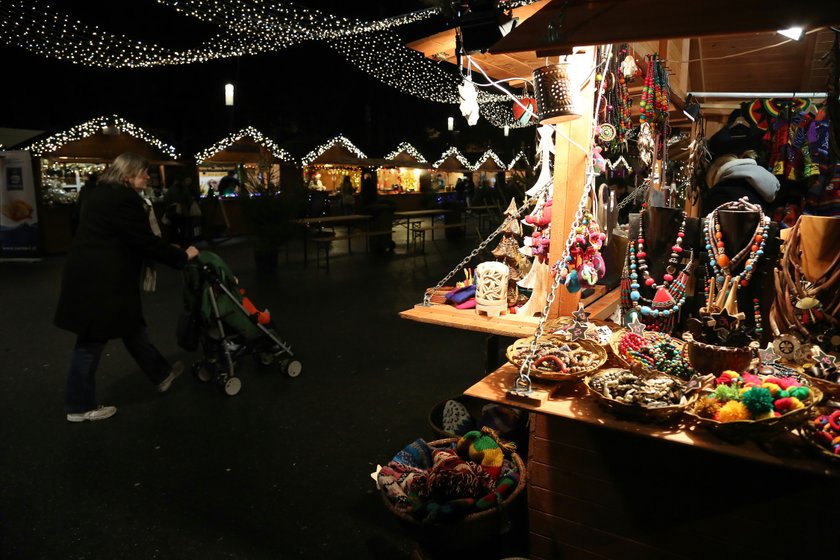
x,y
405,219
603,486
347,220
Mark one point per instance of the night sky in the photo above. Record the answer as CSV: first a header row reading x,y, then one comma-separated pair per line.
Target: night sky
x,y
301,96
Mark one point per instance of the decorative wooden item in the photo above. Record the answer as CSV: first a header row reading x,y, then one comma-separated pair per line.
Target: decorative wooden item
x,y
491,288
542,285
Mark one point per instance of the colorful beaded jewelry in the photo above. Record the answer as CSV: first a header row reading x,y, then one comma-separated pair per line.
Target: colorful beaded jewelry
x,y
660,312
723,283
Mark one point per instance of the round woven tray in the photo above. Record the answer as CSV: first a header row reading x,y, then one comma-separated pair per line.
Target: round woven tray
x,y
767,428
830,389
515,351
616,337
472,530
554,327
808,432
639,412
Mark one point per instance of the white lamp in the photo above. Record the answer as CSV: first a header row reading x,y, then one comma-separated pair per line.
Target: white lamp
x,y
229,95
450,123
794,33
507,130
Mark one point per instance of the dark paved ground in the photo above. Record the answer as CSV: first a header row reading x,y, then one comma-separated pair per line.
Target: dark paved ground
x,y
280,471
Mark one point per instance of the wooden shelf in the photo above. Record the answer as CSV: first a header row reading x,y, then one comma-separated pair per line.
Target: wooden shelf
x,y
572,401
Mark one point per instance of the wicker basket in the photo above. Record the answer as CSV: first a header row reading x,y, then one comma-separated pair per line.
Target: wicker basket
x,y
639,412
615,339
830,389
475,529
808,432
555,325
767,428
710,358
515,350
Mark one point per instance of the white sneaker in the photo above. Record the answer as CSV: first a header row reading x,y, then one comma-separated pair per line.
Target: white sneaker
x,y
100,413
164,385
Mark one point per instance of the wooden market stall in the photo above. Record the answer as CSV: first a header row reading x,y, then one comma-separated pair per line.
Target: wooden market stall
x,y
602,484
64,160
519,166
260,166
331,161
401,176
450,166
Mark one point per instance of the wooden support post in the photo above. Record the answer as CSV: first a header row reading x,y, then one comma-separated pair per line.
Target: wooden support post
x,y
570,178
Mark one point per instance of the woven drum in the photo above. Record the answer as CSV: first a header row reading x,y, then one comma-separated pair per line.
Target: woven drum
x,y
557,98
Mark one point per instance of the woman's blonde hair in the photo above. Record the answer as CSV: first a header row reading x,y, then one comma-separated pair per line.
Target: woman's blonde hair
x,y
125,167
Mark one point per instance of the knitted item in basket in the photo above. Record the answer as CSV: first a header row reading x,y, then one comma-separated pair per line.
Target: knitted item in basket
x,y
503,419
457,419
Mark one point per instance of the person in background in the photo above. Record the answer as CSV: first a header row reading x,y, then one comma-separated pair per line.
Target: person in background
x,y
348,196
229,184
178,200
100,287
368,192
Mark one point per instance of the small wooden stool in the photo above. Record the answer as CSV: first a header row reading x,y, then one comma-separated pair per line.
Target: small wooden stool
x,y
418,238
322,245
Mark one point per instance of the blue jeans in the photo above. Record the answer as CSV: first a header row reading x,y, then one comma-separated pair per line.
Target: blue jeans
x,y
80,394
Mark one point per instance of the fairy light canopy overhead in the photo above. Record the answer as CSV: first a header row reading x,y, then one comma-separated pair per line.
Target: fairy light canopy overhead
x,y
102,139
246,145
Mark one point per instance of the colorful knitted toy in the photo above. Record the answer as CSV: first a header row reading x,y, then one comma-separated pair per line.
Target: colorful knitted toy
x,y
486,449
262,317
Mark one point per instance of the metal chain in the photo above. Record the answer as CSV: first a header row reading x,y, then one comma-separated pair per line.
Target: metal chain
x,y
634,194
522,385
427,298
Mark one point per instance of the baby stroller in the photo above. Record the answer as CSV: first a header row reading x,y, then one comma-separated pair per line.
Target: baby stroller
x,y
225,324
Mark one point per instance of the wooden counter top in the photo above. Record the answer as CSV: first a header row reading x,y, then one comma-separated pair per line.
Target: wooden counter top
x,y
516,326
572,401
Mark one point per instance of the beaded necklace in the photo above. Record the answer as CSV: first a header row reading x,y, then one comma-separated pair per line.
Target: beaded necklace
x,y
722,286
659,313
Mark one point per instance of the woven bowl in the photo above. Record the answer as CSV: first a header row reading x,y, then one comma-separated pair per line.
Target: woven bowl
x,y
517,351
473,530
767,428
628,362
710,358
808,432
641,412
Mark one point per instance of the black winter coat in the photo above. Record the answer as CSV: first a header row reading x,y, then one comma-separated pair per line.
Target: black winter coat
x,y
100,287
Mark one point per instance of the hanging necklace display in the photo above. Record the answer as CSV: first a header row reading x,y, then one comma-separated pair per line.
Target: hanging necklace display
x,y
721,289
660,313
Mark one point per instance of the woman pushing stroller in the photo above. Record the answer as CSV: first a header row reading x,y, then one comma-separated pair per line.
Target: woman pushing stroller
x,y
100,287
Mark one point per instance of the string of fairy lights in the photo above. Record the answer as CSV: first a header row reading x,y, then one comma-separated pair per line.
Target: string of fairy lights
x,y
521,156
489,154
339,140
452,152
98,125
251,132
258,26
408,149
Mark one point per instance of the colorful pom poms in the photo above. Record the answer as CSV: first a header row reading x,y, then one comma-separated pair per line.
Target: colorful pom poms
x,y
731,411
725,393
758,401
800,392
707,408
750,379
786,404
727,377
772,387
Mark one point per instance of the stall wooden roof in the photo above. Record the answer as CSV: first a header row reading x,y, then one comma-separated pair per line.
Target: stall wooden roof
x,y
406,155
710,46
337,151
100,140
452,160
245,146
489,161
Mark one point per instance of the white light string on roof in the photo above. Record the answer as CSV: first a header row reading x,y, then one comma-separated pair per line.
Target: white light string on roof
x,y
410,150
520,156
338,140
452,152
257,136
91,127
489,154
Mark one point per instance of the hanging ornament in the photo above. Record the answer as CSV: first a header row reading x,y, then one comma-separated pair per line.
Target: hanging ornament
x,y
608,132
525,110
629,68
469,101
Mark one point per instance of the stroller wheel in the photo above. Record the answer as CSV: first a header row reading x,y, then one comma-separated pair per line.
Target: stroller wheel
x,y
232,386
266,358
291,367
202,372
